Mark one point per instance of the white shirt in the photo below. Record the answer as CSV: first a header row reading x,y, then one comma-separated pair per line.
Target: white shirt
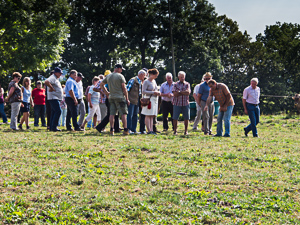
x,y
80,90
196,90
58,93
251,95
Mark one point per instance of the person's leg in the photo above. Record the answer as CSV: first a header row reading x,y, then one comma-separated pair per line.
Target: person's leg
x,y
134,118
82,112
57,113
211,111
64,115
198,117
103,110
15,108
148,124
112,122
176,113
130,116
186,116
42,114
205,118
26,119
36,114
227,118
51,114
22,119
72,112
164,108
170,109
251,114
90,116
48,113
68,118
2,112
124,121
220,124
105,120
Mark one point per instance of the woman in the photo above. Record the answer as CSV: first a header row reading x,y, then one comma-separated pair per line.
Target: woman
x,y
39,96
27,101
150,90
2,104
15,98
93,99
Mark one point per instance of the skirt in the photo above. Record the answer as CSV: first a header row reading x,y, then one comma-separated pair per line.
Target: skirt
x,y
154,107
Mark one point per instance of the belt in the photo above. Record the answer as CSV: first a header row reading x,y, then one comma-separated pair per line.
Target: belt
x,y
252,104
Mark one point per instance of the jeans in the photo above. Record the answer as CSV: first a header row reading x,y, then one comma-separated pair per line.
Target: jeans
x,y
62,118
226,116
3,113
48,112
55,114
167,108
72,113
15,109
254,113
132,117
39,111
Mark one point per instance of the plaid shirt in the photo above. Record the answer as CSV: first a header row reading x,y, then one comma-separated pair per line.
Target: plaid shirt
x,y
220,94
181,100
102,95
131,82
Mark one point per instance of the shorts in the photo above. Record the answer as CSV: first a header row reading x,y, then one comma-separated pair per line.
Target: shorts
x,y
26,107
118,105
185,110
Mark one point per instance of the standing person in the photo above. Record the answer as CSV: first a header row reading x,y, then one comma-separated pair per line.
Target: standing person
x,y
48,106
150,90
63,108
102,105
72,94
251,106
167,98
223,96
2,104
134,91
39,97
118,97
199,113
54,96
15,97
81,105
27,101
93,100
203,93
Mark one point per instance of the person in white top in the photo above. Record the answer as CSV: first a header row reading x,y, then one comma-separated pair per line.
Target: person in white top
x,y
81,106
199,112
251,96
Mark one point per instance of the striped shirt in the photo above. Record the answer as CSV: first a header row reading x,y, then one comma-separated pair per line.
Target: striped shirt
x,y
182,100
102,95
220,94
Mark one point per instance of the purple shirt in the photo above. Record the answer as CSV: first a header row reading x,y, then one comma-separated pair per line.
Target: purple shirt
x,y
182,100
251,95
165,88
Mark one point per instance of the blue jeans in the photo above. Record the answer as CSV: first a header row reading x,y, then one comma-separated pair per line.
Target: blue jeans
x,y
226,116
62,118
39,111
132,117
254,113
55,114
3,115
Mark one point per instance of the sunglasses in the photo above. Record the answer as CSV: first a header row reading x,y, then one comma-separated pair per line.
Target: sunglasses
x,y
206,78
19,78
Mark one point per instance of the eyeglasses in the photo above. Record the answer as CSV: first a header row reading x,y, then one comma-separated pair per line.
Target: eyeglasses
x,y
19,78
206,78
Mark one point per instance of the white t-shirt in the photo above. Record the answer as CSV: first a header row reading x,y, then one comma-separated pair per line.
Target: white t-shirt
x,y
80,90
58,93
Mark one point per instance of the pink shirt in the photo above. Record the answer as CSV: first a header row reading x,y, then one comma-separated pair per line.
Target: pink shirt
x,y
182,100
251,95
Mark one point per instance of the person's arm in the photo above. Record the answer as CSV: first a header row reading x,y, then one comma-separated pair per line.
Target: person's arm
x,y
102,86
125,92
31,101
71,93
245,107
176,92
1,92
145,91
48,84
199,96
162,92
10,93
223,108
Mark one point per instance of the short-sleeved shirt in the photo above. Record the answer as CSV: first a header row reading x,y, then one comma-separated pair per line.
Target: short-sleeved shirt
x,y
16,96
251,95
182,100
80,90
204,91
71,84
220,94
165,88
115,81
58,93
94,95
102,95
39,96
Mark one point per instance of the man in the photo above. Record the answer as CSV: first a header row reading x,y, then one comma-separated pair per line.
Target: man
x,y
54,96
81,105
134,89
181,91
72,100
199,113
118,97
203,93
251,96
223,96
167,98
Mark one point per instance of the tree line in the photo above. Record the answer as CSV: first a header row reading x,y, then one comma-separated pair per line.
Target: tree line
x,y
91,36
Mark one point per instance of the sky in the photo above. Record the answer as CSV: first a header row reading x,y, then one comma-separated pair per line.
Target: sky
x,y
255,15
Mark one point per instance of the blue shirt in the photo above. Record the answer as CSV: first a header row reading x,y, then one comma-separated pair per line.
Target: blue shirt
x,y
165,88
26,95
71,84
204,91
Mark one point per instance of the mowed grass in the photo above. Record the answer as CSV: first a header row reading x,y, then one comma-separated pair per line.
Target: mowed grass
x,y
92,178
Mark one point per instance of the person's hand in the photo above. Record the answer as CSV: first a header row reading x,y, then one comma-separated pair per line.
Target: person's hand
x,y
51,89
205,108
91,105
128,102
6,99
32,105
157,93
75,102
223,109
246,111
107,95
22,105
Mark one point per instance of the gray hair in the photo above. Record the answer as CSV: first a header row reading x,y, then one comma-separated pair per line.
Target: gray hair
x,y
181,72
169,75
142,71
254,79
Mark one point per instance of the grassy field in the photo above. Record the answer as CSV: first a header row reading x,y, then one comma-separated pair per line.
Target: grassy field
x,y
92,178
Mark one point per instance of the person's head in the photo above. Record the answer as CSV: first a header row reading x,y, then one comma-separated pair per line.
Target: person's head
x,y
181,76
169,77
119,68
153,73
212,84
58,72
39,84
254,82
16,76
26,82
101,76
107,72
79,77
207,77
73,74
142,75
95,80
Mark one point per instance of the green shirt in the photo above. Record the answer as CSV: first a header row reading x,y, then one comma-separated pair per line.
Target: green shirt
x,y
114,81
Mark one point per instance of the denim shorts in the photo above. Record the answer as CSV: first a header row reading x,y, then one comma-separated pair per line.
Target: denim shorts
x,y
118,105
26,107
185,110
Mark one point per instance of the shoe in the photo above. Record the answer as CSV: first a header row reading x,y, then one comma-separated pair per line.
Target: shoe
x,y
143,132
245,132
36,125
216,135
226,135
157,132
175,133
127,132
165,129
206,133
20,127
44,125
70,129
28,127
16,129
82,128
186,133
210,133
131,132
111,132
56,130
79,129
195,128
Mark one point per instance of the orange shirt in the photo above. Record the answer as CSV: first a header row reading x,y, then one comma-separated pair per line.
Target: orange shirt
x,y
220,94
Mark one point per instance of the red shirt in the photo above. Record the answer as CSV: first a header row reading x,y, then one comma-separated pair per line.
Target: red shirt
x,y
39,96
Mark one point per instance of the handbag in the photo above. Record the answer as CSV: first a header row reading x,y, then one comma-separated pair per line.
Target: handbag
x,y
145,101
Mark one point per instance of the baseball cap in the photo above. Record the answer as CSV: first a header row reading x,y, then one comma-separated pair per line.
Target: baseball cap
x,y
119,66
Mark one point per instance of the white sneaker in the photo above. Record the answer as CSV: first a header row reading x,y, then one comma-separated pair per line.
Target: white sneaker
x,y
130,132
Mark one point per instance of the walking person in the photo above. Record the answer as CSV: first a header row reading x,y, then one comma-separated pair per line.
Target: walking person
x,y
198,107
2,104
39,100
54,96
207,115
81,105
222,94
166,100
15,98
27,101
181,104
251,96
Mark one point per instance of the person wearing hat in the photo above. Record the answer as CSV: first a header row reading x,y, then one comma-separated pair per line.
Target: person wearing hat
x,y
118,97
54,96
81,105
251,96
39,96
203,93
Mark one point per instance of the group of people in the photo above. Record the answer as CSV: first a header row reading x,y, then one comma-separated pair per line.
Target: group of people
x,y
109,97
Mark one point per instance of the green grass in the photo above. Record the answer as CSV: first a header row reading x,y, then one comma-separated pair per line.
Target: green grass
x,y
92,178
